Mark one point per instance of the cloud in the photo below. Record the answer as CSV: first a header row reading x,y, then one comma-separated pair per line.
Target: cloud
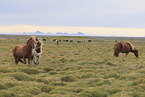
x,y
101,13
72,6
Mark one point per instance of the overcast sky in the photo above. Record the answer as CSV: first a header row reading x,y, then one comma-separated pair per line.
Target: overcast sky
x,y
90,13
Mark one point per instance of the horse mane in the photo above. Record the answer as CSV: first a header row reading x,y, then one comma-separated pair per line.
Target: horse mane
x,y
31,38
132,46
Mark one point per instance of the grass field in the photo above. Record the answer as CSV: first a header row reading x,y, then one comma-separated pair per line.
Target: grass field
x,y
73,69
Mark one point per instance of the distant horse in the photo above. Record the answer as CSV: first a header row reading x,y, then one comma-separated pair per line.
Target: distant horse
x,y
44,39
79,41
89,41
54,40
24,52
71,41
36,53
124,48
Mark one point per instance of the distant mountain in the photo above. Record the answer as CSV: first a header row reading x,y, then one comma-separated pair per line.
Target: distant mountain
x,y
65,33
38,32
60,33
80,33
49,34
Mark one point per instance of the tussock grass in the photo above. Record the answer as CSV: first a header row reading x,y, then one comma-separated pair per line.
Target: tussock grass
x,y
27,89
5,93
46,88
20,76
6,69
58,83
73,69
2,86
11,84
52,72
29,70
68,78
93,93
113,91
47,69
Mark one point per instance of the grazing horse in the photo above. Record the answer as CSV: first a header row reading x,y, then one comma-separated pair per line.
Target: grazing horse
x,y
36,53
79,41
25,51
44,39
124,48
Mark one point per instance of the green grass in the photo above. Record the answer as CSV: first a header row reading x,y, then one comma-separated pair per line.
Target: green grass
x,y
73,69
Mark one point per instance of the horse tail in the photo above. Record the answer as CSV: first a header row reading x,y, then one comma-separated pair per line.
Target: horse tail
x,y
14,50
117,48
115,51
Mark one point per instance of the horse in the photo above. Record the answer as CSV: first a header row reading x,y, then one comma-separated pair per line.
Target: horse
x,y
36,53
44,39
25,51
125,48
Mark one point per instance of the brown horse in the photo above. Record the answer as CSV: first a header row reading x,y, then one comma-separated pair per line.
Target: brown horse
x,y
24,51
124,48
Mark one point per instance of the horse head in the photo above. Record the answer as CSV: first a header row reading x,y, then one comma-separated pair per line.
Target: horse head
x,y
39,43
31,42
135,52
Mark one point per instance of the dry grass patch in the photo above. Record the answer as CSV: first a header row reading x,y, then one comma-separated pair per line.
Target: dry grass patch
x,y
73,69
69,78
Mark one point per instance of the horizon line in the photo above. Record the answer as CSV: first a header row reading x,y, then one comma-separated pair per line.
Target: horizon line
x,y
110,31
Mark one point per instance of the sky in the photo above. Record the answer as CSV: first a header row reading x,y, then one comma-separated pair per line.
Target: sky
x,y
64,14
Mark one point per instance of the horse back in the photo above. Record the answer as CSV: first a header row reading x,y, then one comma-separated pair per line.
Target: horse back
x,y
126,48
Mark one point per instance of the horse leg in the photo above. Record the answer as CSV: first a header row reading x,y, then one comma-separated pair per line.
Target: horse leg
x,y
16,60
29,59
19,59
126,55
115,54
39,59
24,60
34,60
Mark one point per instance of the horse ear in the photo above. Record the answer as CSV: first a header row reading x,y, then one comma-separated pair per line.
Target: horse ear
x,y
32,37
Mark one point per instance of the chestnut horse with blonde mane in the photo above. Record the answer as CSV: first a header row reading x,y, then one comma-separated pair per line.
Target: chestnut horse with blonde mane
x,y
124,48
25,51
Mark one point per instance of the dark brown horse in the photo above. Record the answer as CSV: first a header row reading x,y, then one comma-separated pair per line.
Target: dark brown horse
x,y
24,51
124,48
